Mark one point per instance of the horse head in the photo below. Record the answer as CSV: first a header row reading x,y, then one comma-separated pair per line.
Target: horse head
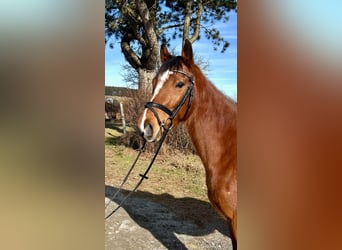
x,y
172,94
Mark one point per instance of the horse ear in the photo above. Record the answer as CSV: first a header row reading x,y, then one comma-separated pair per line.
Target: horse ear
x,y
164,53
187,52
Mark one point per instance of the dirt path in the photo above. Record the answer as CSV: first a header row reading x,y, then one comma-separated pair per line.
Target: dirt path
x,y
149,221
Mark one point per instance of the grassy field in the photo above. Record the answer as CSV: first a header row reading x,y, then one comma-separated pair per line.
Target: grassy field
x,y
173,173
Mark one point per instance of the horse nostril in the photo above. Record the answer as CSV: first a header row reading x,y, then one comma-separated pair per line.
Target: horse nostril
x,y
148,131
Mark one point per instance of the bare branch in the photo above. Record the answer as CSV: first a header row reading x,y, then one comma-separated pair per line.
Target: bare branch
x,y
162,30
129,54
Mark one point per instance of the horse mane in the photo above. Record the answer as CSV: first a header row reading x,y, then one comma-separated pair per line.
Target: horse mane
x,y
215,100
212,110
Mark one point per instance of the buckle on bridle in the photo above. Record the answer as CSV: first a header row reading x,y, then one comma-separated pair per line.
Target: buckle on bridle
x,y
167,125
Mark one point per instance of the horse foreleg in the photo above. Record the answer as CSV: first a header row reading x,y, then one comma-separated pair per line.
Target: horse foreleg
x,y
225,202
233,229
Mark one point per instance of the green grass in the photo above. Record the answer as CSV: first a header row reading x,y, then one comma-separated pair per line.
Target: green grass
x,y
174,173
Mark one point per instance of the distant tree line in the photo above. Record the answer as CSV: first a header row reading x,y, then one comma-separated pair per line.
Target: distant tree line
x,y
119,91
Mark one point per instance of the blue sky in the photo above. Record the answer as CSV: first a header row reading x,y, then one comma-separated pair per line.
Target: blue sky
x,y
222,66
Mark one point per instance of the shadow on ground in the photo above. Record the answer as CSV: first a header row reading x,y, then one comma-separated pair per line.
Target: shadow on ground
x,y
164,216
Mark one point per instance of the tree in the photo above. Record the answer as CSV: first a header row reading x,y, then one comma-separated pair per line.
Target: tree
x,y
130,75
139,24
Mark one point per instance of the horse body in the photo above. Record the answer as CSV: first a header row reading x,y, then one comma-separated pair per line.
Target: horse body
x,y
210,118
212,128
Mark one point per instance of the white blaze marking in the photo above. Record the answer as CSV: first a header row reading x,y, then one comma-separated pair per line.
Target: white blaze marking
x,y
142,127
163,78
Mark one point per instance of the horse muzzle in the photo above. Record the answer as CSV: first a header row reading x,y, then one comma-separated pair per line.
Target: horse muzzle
x,y
151,133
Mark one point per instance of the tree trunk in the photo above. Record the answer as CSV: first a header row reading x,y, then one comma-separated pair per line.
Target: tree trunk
x,y
150,50
187,17
145,81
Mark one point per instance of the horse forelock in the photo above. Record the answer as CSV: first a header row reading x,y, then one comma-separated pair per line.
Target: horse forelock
x,y
173,64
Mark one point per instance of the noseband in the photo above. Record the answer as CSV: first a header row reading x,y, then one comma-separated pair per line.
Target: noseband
x,y
172,114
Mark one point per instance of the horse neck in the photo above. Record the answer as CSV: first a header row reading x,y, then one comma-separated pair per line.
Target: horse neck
x,y
211,122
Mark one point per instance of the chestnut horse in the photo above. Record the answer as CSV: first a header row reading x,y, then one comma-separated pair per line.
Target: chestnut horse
x,y
181,93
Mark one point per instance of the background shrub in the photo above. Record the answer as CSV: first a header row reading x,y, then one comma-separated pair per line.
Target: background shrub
x,y
177,140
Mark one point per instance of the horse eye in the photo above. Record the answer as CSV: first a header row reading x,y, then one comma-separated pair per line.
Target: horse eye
x,y
179,84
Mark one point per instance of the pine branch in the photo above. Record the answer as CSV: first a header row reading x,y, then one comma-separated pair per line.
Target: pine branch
x,y
162,30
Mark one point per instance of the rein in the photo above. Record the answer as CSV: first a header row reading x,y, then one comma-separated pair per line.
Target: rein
x,y
172,114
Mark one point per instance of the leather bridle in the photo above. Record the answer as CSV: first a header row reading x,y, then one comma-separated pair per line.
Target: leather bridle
x,y
172,113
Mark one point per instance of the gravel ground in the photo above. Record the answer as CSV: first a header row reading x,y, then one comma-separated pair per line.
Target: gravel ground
x,y
149,221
